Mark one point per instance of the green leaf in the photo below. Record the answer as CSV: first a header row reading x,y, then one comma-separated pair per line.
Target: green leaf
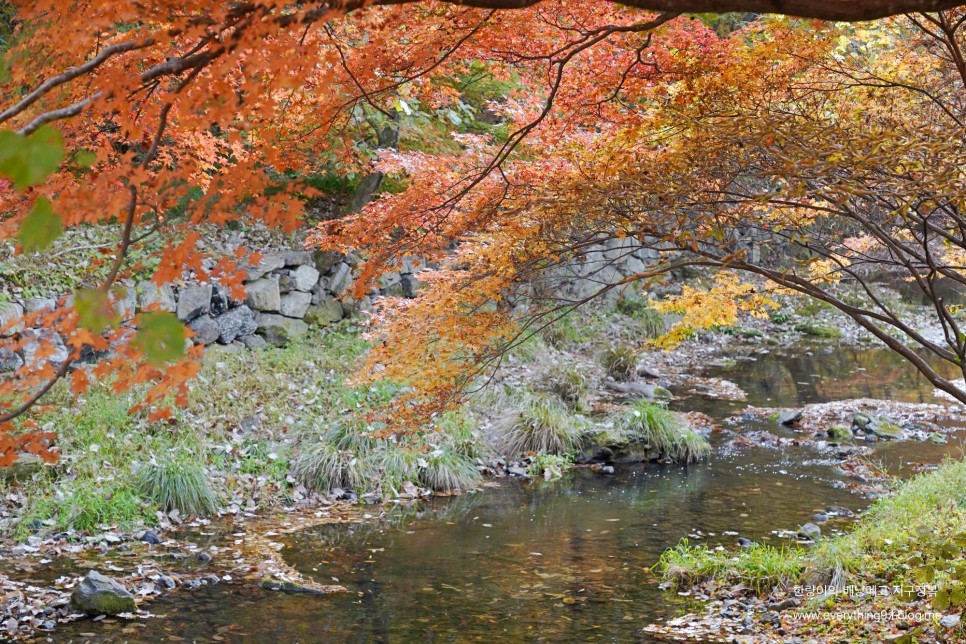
x,y
94,310
85,158
40,227
29,160
161,337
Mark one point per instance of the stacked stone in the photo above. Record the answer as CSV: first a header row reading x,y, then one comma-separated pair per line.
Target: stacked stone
x,y
285,294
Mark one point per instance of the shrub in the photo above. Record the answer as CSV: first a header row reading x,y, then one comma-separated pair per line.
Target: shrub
x,y
175,482
535,422
663,430
620,363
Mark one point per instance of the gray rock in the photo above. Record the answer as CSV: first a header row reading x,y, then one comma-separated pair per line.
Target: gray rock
x,y
156,297
286,283
389,279
219,301
839,433
150,537
100,595
790,417
878,425
820,517
810,531
745,542
937,439
23,468
280,330
206,330
326,313
295,304
325,259
305,278
235,323
125,299
44,338
267,264
286,586
340,278
10,312
642,389
411,264
264,295
9,360
410,286
950,621
33,304
193,302
166,583
298,258
253,341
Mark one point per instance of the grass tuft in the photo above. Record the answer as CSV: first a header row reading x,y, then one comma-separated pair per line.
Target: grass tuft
x,y
175,482
663,430
536,422
620,363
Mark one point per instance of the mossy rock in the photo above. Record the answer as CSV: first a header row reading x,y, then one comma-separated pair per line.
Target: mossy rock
x,y
840,434
285,586
819,331
97,594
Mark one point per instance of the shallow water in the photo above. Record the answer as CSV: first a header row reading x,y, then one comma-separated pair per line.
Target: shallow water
x,y
564,561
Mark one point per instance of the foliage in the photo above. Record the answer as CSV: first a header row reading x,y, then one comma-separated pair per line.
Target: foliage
x,y
535,422
663,430
640,309
790,150
550,466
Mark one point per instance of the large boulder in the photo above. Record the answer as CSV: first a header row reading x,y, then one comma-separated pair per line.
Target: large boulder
x,y
341,277
100,595
305,277
295,304
280,330
264,295
44,342
235,323
160,298
193,302
267,264
206,330
125,300
297,257
326,313
33,304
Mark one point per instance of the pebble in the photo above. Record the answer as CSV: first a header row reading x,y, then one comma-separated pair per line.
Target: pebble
x,y
204,557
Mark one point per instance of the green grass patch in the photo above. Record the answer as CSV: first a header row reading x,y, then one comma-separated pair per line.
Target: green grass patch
x,y
760,567
620,362
663,430
534,422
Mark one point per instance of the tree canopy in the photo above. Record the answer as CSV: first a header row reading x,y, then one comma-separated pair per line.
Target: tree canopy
x,y
617,120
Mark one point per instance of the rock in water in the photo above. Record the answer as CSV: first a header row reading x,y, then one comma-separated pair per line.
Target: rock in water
x,y
100,595
810,531
790,417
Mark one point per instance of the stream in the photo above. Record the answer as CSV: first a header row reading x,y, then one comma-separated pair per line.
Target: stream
x,y
559,561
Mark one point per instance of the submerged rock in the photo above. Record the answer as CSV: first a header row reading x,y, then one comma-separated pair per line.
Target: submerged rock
x,y
285,586
97,594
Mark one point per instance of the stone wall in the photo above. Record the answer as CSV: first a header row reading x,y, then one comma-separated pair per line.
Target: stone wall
x,y
286,293
291,290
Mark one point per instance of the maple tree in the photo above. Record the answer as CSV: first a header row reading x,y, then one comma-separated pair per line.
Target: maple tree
x,y
158,116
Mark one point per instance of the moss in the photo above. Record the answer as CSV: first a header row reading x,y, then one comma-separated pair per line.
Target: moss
x,y
819,331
